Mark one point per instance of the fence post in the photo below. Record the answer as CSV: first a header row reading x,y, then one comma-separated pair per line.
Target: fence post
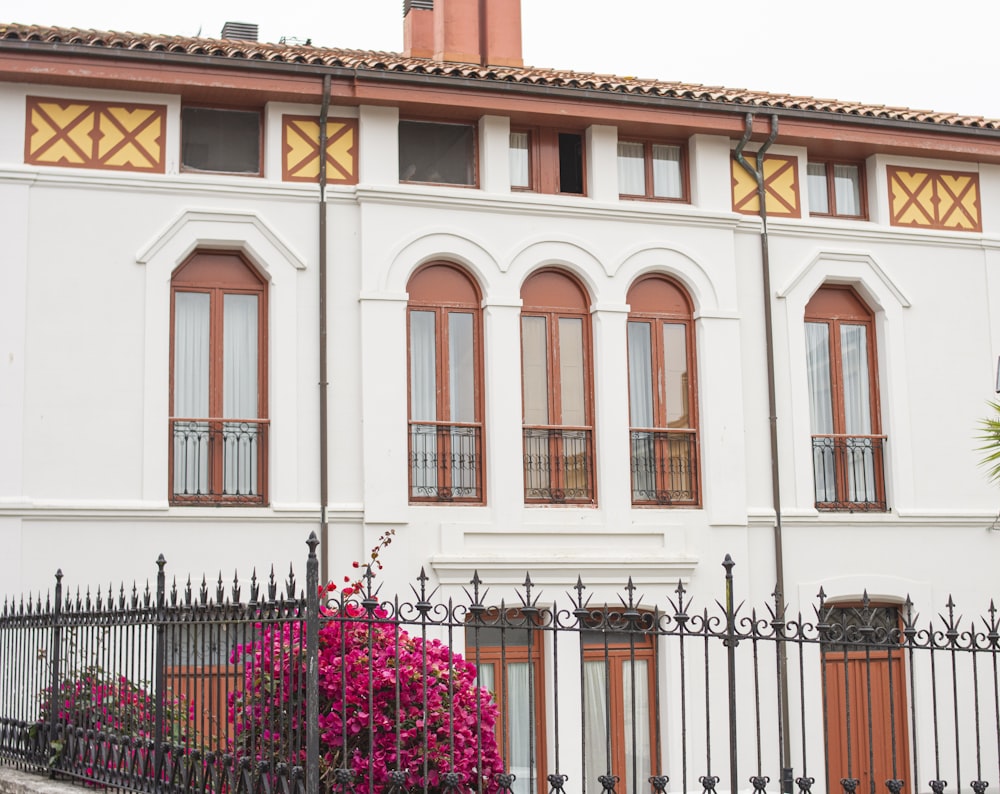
x,y
159,655
55,674
731,642
312,667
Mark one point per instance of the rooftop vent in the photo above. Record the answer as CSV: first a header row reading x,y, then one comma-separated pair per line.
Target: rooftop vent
x,y
243,31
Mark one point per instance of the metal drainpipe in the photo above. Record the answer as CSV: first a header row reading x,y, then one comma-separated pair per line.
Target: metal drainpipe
x,y
779,564
324,524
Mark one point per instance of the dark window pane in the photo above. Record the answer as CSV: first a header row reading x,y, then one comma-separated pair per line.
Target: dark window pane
x,y
220,140
442,153
570,163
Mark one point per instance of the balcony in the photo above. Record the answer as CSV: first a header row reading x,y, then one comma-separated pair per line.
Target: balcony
x,y
849,473
218,461
664,467
445,462
558,465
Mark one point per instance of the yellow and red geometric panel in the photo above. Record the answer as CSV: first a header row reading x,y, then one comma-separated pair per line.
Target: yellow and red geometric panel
x,y
781,187
300,150
86,134
934,199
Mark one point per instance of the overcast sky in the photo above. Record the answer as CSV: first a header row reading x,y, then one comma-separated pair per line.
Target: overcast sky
x,y
921,54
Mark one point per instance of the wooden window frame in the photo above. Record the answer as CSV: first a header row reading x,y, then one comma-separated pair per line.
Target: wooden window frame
x,y
217,289
442,309
533,161
185,169
834,317
501,655
657,319
617,651
647,152
474,155
552,314
831,193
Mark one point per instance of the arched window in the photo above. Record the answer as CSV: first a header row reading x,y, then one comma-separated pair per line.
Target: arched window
x,y
218,382
557,390
445,377
843,402
662,395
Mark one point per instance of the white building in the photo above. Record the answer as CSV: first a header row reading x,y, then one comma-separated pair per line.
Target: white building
x,y
545,329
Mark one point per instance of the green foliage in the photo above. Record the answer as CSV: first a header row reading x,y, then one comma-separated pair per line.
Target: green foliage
x,y
989,435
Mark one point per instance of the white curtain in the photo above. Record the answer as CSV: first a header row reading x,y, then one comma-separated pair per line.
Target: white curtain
x,y
631,169
519,164
535,370
640,396
595,676
667,179
636,690
518,719
857,413
191,353
462,402
847,189
818,199
571,374
821,409
675,374
423,404
239,393
640,375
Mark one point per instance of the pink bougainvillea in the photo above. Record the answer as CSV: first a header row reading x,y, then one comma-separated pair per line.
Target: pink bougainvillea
x,y
388,702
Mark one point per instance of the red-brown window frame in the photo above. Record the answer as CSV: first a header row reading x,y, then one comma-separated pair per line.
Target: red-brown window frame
x,y
499,656
553,312
617,650
647,151
260,140
475,151
217,288
533,168
543,160
831,193
657,317
835,305
441,309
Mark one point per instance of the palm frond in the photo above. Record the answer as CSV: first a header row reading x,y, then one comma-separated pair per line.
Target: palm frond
x,y
989,435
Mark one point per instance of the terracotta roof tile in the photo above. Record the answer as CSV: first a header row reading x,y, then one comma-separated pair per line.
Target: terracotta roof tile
x,y
394,62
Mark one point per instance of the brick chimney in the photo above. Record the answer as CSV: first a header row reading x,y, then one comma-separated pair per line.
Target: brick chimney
x,y
486,32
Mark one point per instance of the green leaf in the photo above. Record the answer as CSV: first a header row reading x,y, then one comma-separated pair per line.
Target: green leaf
x,y
989,435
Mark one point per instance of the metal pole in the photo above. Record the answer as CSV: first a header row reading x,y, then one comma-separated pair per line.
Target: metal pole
x,y
779,564
312,667
324,525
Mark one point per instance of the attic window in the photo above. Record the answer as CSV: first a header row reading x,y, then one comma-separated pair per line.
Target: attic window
x,y
437,153
222,141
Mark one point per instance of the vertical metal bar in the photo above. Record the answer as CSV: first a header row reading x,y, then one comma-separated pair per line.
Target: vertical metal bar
x,y
312,666
158,664
731,643
56,663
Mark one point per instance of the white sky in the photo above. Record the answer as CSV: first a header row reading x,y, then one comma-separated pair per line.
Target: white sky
x,y
924,54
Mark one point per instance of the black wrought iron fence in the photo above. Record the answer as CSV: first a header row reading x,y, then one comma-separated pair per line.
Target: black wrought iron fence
x,y
275,688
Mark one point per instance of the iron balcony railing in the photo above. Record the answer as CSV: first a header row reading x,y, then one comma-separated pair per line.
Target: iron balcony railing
x,y
558,465
446,462
664,466
268,688
849,472
218,461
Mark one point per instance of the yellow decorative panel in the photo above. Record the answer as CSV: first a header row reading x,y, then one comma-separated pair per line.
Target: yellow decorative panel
x,y
781,187
300,150
934,199
85,134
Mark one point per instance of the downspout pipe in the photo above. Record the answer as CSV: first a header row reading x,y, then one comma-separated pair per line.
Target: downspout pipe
x,y
324,488
779,563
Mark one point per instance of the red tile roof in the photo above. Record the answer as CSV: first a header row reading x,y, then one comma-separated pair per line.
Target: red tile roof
x,y
394,62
